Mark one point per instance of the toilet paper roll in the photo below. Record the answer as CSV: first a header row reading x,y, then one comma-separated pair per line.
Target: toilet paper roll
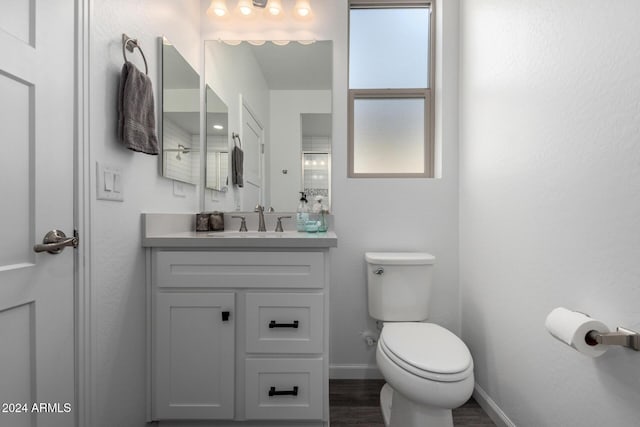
x,y
571,328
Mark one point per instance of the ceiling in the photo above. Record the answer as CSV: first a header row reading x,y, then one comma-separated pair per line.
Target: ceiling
x,y
296,66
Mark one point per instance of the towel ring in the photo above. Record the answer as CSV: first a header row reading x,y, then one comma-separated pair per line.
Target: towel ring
x,y
235,136
130,44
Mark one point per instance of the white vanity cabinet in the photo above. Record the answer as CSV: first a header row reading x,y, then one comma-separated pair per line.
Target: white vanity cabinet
x,y
238,336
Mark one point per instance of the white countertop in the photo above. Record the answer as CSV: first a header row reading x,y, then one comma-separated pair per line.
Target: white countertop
x,y
166,230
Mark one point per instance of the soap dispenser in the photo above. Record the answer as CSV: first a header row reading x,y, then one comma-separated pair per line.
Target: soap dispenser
x,y
302,213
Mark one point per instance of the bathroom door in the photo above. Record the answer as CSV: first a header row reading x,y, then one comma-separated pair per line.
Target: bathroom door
x,y
253,146
37,94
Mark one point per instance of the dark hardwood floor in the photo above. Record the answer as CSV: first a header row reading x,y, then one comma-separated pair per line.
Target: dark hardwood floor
x,y
357,403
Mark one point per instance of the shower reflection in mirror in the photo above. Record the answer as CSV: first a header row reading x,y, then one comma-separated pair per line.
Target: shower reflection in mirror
x,y
316,155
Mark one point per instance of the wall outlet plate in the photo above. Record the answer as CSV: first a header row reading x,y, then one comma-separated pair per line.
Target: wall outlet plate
x,y
178,189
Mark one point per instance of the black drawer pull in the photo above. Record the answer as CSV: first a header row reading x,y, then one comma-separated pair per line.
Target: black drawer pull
x,y
273,392
225,316
273,324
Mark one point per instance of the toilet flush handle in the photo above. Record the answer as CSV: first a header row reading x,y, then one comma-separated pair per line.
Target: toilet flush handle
x,y
379,271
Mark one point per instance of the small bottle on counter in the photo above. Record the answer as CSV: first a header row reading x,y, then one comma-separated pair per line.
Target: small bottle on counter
x,y
323,220
216,221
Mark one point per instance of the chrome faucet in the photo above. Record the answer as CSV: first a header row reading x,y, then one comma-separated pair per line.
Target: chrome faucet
x,y
260,210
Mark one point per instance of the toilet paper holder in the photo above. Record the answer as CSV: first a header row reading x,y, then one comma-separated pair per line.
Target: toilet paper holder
x,y
622,336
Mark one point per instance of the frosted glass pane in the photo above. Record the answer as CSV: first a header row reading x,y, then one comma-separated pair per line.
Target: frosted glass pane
x,y
389,48
388,136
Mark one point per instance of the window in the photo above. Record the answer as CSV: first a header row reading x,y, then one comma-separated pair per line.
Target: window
x,y
390,88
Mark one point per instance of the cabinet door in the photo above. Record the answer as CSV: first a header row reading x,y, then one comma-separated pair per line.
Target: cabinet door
x,y
194,355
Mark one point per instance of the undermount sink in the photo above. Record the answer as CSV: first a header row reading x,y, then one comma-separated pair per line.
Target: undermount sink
x,y
252,234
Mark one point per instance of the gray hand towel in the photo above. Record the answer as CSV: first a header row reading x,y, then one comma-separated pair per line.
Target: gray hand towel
x,y
237,166
136,111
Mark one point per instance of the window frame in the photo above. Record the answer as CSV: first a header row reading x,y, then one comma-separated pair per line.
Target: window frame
x,y
402,93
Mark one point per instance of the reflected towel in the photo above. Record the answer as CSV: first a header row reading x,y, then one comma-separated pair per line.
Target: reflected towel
x,y
237,158
136,111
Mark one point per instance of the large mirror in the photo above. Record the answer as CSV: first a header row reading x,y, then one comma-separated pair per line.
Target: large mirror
x,y
279,98
180,118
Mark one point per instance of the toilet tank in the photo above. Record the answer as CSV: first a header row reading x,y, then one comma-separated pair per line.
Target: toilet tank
x,y
399,285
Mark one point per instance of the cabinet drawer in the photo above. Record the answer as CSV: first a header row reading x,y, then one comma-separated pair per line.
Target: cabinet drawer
x,y
284,323
239,269
284,389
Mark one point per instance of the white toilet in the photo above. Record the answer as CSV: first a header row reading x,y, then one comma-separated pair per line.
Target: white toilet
x,y
428,369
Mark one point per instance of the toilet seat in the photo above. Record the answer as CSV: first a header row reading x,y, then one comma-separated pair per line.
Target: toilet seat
x,y
426,350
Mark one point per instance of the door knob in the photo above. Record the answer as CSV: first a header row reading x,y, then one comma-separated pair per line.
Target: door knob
x,y
55,241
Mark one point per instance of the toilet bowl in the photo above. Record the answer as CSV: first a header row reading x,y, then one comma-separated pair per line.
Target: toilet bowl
x,y
428,369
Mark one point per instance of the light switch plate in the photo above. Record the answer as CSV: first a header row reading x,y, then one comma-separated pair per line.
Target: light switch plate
x,y
109,182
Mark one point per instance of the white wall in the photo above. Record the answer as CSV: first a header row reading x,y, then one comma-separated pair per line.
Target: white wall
x,y
285,145
549,207
117,258
377,214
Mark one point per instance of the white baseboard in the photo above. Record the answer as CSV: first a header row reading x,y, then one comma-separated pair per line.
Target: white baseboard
x,y
354,372
491,408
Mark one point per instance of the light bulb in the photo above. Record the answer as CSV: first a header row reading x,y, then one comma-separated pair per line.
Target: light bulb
x,y
275,7
245,8
302,8
218,8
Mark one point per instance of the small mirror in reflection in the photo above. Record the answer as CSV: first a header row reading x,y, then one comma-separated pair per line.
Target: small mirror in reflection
x,y
217,165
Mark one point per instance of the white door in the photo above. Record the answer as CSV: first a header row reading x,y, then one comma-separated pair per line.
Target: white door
x,y
252,145
36,195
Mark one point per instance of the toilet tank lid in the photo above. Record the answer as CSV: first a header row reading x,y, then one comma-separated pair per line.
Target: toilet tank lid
x,y
399,258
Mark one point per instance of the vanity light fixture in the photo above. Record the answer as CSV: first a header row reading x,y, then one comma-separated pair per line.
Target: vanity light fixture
x,y
218,8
